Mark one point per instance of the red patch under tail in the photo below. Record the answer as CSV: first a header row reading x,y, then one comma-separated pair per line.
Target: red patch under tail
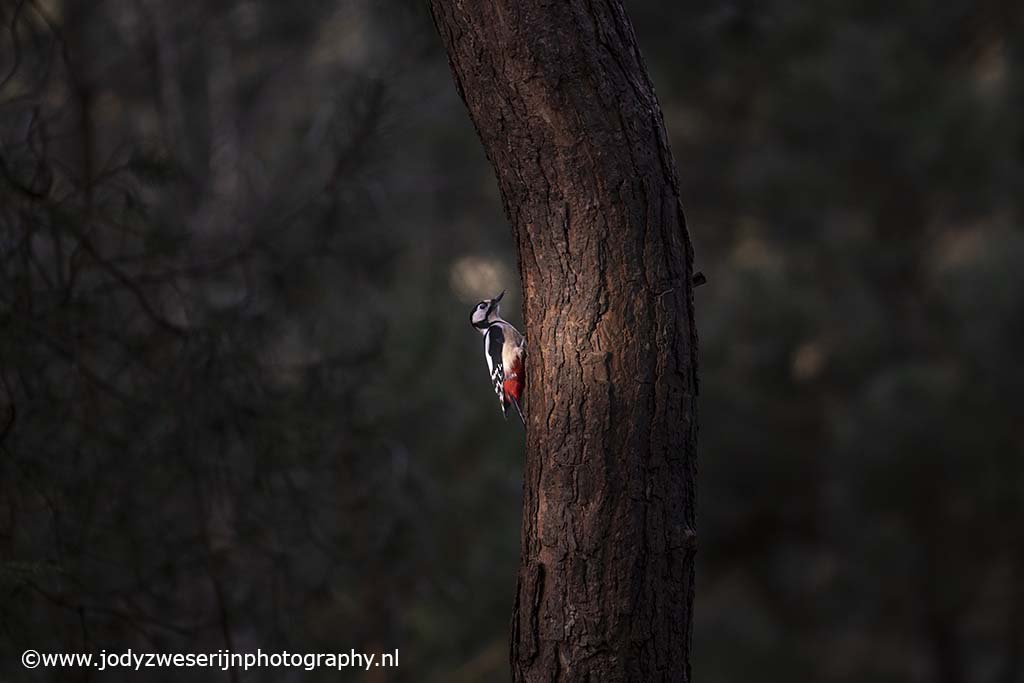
x,y
514,381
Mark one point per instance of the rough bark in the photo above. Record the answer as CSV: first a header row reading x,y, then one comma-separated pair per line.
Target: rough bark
x,y
561,99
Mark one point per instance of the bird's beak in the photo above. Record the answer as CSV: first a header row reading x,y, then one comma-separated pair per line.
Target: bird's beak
x,y
498,298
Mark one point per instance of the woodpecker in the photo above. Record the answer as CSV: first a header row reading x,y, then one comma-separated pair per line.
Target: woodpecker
x,y
503,348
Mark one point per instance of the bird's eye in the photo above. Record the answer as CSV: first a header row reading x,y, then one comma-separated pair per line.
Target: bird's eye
x,y
481,306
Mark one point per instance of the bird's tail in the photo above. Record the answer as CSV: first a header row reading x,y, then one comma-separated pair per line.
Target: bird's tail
x,y
515,402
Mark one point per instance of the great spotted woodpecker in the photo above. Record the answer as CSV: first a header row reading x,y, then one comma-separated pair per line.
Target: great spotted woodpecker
x,y
503,348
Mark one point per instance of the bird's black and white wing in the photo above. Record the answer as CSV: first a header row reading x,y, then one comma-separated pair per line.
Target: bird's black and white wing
x,y
494,344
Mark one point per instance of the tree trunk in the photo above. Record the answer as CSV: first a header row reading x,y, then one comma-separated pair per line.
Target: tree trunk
x,y
561,99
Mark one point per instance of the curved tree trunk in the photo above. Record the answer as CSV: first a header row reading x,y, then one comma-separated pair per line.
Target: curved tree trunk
x,y
562,102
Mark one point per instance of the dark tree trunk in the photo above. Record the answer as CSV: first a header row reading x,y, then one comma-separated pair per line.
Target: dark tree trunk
x,y
562,102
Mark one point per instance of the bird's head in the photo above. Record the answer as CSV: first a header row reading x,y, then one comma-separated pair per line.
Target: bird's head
x,y
485,312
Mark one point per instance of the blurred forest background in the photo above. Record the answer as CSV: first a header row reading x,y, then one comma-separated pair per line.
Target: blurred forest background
x,y
241,405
